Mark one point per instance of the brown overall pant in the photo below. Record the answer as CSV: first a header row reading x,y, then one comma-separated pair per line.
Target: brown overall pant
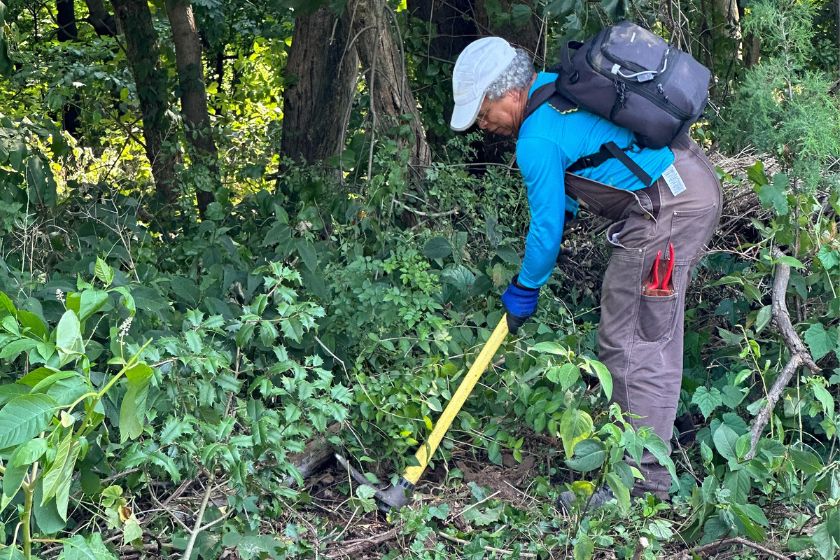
x,y
640,337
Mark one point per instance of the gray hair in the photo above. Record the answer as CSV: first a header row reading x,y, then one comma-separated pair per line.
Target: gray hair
x,y
517,75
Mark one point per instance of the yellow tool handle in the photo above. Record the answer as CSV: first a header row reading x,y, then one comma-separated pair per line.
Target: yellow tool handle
x,y
427,450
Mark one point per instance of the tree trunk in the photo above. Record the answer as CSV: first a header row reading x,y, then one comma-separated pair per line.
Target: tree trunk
x,y
497,18
194,99
320,81
66,19
448,24
382,57
143,55
67,31
103,22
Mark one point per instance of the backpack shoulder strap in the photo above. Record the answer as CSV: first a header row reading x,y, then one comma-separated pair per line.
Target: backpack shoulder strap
x,y
548,94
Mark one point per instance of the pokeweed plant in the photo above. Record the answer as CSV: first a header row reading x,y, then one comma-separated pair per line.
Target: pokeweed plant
x,y
53,412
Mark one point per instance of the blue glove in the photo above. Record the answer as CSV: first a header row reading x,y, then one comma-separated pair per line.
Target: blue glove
x,y
520,303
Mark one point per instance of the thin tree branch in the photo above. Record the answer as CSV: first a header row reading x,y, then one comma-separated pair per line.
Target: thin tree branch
x,y
799,353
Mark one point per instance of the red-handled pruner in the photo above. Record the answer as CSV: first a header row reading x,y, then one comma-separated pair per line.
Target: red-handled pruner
x,y
663,286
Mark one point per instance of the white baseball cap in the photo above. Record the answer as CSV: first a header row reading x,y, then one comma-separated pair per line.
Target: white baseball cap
x,y
476,68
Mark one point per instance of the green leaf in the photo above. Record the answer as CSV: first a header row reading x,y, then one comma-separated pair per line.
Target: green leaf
x,y
91,302
28,453
307,253
584,547
12,480
68,337
589,455
620,490
132,530
825,544
133,407
90,548
437,248
604,377
13,349
550,348
823,396
762,319
756,174
23,418
829,258
40,180
11,553
774,195
751,529
33,323
103,272
820,341
725,439
658,449
565,376
575,425
807,462
707,400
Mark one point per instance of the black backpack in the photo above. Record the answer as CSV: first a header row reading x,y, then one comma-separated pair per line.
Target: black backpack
x,y
632,77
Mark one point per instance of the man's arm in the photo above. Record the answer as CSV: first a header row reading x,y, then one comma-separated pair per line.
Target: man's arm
x,y
542,167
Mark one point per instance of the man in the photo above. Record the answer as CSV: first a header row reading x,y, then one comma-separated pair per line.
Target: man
x,y
640,337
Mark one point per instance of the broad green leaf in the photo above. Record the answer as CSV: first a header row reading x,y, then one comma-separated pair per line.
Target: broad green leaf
x,y
91,302
820,341
756,174
11,553
133,407
68,337
829,258
825,544
127,299
738,483
604,377
565,376
12,480
550,348
40,180
584,547
437,248
725,439
48,381
765,314
23,418
31,321
46,516
52,477
483,516
620,490
807,462
823,396
707,400
13,349
589,455
658,449
575,425
28,453
103,272
307,253
90,548
751,529
131,530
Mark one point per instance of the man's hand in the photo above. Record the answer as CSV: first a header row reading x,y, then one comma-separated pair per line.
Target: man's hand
x,y
520,303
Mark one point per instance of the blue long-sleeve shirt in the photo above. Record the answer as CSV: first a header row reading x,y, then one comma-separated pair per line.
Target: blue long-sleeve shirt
x,y
548,143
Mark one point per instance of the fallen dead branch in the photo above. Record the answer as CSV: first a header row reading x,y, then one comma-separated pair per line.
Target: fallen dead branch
x,y
358,546
799,353
492,549
725,543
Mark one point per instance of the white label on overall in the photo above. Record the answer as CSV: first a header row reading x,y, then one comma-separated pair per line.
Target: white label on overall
x,y
675,182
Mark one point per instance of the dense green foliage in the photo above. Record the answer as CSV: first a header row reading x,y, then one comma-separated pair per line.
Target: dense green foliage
x,y
148,355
